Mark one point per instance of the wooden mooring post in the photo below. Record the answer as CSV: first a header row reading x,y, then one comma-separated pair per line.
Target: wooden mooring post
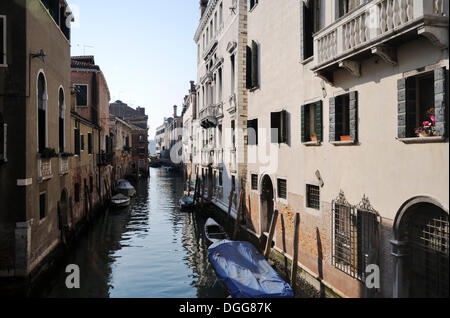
x,y
295,251
238,216
189,185
230,205
271,233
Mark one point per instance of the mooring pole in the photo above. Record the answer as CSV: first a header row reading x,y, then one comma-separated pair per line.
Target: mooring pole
x,y
238,216
295,252
271,233
230,205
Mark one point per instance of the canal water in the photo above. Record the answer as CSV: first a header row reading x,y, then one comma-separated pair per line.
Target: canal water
x,y
148,250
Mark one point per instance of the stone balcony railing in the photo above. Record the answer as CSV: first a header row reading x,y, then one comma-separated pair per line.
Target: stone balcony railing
x,y
372,26
44,169
208,116
206,157
63,166
218,158
232,162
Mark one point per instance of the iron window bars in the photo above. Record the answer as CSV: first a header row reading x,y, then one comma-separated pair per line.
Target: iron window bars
x,y
355,236
313,196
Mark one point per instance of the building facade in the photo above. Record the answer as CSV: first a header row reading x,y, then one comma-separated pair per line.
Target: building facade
x,y
35,82
121,136
340,116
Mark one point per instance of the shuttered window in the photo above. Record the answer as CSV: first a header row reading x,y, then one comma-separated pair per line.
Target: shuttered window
x,y
278,125
2,40
312,122
82,95
90,147
252,69
422,105
344,117
311,16
82,142
42,205
282,188
252,131
77,139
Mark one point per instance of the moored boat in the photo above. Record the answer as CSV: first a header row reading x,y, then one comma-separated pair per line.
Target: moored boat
x,y
124,187
186,203
120,200
245,272
214,232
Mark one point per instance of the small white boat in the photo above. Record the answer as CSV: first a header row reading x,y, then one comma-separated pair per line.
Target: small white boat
x,y
124,187
120,200
214,232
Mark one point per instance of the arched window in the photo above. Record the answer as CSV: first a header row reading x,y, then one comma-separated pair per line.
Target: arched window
x,y
42,113
61,120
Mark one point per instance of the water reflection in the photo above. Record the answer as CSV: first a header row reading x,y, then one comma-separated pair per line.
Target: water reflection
x,y
150,249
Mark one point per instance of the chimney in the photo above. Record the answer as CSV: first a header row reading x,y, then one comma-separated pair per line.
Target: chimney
x,y
192,86
203,6
175,111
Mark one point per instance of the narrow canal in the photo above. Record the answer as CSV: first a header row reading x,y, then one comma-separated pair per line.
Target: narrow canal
x,y
150,249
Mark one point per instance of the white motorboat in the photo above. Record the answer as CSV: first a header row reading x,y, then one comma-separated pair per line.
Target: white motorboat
x,y
124,187
214,232
120,200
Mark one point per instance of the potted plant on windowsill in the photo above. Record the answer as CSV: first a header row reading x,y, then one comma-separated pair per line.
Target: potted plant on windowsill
x,y
345,138
314,137
428,128
66,155
48,153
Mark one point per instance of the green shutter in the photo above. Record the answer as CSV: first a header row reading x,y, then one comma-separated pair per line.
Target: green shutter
x,y
440,101
303,122
254,65
319,121
353,109
249,68
332,124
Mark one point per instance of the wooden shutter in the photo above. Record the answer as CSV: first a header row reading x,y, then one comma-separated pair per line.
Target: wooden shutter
x,y
77,141
275,127
283,127
353,109
249,68
254,63
332,124
319,120
303,123
440,101
406,96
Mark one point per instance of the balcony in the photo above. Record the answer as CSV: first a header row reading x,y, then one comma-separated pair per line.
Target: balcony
x,y
63,166
210,114
218,158
232,162
44,169
207,159
375,28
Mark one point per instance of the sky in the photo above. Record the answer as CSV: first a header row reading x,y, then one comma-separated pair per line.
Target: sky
x,y
145,49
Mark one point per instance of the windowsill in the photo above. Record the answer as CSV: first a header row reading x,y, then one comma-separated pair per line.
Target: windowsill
x,y
308,60
343,143
3,65
253,89
82,106
282,201
422,140
312,143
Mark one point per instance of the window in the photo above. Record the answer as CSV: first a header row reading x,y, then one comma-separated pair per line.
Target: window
x,y
313,197
311,122
42,205
90,146
422,105
82,95
142,151
346,6
233,86
252,80
91,184
61,123
221,14
233,134
355,236
278,125
3,40
77,138
252,131
42,113
82,143
252,4
343,117
311,16
233,183
220,178
282,188
254,182
3,140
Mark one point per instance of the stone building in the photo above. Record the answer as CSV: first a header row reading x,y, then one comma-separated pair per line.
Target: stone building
x,y
140,151
90,166
135,116
345,110
221,39
121,136
35,184
190,125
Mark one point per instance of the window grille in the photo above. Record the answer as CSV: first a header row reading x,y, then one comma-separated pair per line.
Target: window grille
x,y
355,236
313,197
282,189
254,182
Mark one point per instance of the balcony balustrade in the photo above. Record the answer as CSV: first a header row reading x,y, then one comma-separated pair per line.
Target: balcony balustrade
x,y
44,169
374,27
210,114
63,166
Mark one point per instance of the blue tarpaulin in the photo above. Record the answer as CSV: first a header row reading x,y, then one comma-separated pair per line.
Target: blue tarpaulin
x,y
245,271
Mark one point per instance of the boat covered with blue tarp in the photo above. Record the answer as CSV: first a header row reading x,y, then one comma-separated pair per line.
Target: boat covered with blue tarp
x,y
246,272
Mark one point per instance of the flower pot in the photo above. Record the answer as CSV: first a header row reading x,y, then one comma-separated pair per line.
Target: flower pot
x,y
313,138
345,138
423,134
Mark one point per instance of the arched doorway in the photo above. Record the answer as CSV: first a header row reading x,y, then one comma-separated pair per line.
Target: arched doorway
x,y
422,233
267,204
